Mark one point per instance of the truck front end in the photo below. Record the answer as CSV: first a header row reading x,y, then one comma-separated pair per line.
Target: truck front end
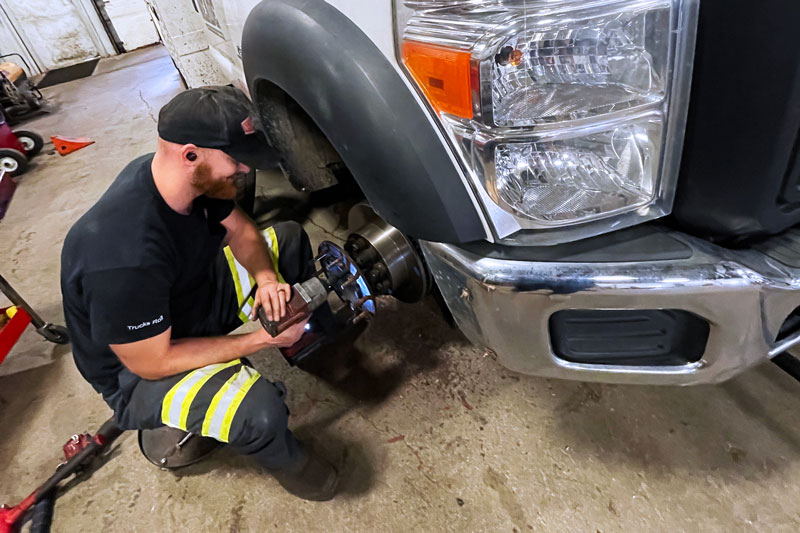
x,y
602,190
568,119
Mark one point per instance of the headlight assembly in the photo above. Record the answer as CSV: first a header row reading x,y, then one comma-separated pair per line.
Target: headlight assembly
x,y
568,115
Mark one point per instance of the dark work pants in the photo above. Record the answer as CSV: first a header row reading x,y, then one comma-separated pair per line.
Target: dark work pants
x,y
230,402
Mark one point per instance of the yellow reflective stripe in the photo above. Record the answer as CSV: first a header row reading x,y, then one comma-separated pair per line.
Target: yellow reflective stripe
x,y
246,281
234,406
234,273
212,408
176,403
243,281
247,308
192,393
272,241
247,284
234,267
225,397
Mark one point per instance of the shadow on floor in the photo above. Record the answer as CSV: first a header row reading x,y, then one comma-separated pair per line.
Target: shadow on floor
x,y
747,427
355,470
397,329
21,393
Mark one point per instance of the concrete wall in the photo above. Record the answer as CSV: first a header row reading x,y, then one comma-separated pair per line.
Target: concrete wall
x,y
183,32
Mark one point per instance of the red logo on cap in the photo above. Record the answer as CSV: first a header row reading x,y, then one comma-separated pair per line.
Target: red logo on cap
x,y
248,127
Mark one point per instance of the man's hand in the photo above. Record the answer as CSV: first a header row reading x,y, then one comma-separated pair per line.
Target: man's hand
x,y
286,338
250,249
272,296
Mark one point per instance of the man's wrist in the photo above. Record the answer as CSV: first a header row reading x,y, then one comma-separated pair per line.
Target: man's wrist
x,y
264,278
261,339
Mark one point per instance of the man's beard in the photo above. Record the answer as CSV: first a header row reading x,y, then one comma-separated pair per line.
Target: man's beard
x,y
224,189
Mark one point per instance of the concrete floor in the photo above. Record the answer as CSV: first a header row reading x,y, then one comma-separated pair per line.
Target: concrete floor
x,y
430,433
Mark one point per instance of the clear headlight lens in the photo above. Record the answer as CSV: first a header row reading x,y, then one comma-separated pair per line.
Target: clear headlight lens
x,y
564,112
563,180
551,72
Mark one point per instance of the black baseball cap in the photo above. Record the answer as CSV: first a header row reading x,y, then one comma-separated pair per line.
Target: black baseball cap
x,y
219,117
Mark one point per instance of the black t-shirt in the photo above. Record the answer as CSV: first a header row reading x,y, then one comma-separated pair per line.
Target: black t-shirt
x,y
131,267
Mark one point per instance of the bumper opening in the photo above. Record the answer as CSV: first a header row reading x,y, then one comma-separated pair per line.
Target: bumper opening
x,y
630,337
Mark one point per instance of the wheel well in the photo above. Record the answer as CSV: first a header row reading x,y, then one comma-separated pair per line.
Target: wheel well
x,y
307,157
360,101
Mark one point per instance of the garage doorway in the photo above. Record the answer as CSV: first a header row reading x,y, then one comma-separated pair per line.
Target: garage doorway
x,y
128,23
51,34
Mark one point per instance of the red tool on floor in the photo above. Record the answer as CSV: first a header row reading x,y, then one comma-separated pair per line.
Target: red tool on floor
x,y
79,452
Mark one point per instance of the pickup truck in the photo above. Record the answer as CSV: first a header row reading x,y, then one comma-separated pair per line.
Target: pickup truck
x,y
601,190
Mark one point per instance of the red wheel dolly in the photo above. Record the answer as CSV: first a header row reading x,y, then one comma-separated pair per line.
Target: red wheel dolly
x,y
19,319
17,147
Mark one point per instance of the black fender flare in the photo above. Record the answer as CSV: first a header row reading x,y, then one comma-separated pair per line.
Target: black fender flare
x,y
322,60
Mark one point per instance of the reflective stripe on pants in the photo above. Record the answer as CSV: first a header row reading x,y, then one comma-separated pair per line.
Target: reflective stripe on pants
x,y
221,410
223,407
176,403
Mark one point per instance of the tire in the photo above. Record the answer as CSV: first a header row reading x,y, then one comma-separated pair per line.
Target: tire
x,y
13,162
31,98
54,333
42,514
32,141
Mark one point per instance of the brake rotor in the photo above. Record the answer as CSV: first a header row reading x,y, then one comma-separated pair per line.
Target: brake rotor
x,y
389,259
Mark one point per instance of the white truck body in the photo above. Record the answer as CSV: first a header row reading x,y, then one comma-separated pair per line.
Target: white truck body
x,y
530,288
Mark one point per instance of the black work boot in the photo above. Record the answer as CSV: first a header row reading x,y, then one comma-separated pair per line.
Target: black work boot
x,y
315,479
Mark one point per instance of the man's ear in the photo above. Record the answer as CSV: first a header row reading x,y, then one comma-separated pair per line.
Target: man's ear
x,y
189,154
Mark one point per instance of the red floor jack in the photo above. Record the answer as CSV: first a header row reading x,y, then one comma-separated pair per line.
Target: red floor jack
x,y
79,452
10,332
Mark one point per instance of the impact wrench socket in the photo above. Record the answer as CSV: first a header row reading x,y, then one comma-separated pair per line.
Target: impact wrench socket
x,y
306,297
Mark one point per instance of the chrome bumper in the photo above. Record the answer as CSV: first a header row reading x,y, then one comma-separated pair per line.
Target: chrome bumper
x,y
505,306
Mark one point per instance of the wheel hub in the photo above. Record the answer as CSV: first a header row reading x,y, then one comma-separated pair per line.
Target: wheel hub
x,y
8,164
27,143
387,258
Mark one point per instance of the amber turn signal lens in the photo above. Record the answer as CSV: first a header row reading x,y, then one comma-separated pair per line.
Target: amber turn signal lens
x,y
443,74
